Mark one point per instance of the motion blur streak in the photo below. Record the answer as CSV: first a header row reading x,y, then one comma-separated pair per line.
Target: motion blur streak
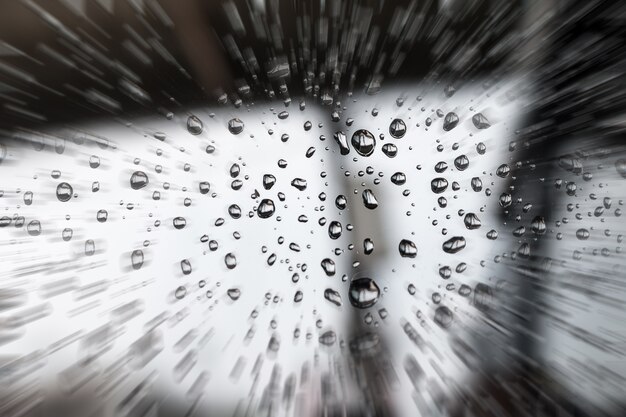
x,y
312,208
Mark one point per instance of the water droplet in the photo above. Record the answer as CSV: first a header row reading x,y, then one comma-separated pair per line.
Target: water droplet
x,y
397,128
363,292
90,247
204,187
230,260
179,222
369,199
477,184
234,293
443,317
538,225
407,249
445,272
194,125
102,216
441,167
234,211
64,192
136,259
235,126
94,162
342,141
471,221
454,244
299,183
438,185
503,171
398,178
33,228
461,162
235,169
333,296
450,121
185,266
334,230
368,246
341,202
266,208
180,292
363,142
328,265
505,200
390,150
480,121
582,234
138,180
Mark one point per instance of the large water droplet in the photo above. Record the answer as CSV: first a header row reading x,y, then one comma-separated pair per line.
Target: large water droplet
x,y
138,180
438,185
397,128
477,184
363,292
407,249
266,208
399,178
194,125
363,142
235,126
268,181
461,162
450,121
334,230
538,225
234,211
454,244
179,222
341,202
480,121
64,192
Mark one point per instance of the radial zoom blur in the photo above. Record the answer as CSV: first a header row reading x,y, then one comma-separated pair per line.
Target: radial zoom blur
x,y
312,208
